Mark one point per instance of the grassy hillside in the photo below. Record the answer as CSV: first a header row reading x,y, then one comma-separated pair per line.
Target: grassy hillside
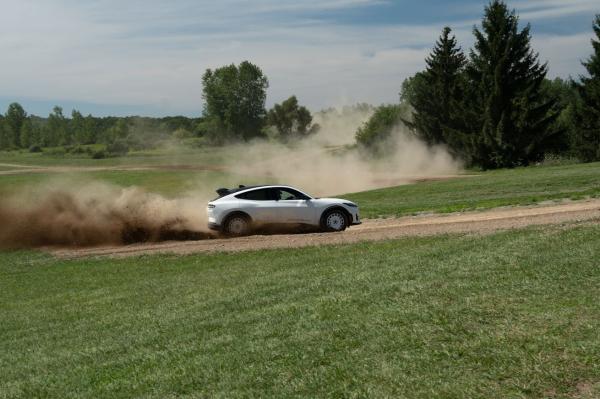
x,y
521,186
509,315
167,182
490,189
163,156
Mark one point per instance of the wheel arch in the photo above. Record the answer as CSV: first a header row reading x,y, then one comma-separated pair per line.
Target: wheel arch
x,y
335,208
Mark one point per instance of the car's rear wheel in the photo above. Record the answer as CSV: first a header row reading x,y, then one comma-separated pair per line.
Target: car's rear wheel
x,y
237,225
334,220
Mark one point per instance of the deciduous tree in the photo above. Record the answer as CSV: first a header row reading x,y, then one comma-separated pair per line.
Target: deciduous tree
x,y
290,119
78,128
14,119
56,131
4,135
27,135
374,133
234,101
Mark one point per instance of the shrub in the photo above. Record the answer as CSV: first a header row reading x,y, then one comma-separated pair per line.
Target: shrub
x,y
75,149
99,154
118,148
182,133
55,151
379,127
195,142
35,148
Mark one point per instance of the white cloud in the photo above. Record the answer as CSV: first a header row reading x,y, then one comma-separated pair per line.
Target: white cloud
x,y
564,53
93,55
153,53
537,10
543,9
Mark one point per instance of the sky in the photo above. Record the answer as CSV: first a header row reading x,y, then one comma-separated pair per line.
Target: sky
x,y
147,57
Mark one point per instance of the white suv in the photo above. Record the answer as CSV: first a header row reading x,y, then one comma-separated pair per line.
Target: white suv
x,y
239,211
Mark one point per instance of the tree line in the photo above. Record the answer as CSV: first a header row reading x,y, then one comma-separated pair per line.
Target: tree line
x,y
234,97
18,130
495,107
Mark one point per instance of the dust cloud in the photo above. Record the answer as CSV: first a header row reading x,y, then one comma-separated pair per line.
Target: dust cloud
x,y
72,213
327,163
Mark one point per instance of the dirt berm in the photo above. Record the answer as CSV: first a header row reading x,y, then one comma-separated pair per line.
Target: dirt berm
x,y
371,230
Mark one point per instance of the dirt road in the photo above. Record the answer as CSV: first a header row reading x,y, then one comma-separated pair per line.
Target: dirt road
x,y
371,230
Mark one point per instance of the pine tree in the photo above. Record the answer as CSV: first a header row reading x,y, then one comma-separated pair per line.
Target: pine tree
x,y
587,138
436,92
510,120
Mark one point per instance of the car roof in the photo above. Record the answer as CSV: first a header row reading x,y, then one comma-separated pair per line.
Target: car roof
x,y
244,188
227,191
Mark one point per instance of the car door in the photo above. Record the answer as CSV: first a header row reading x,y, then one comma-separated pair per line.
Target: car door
x,y
292,206
260,204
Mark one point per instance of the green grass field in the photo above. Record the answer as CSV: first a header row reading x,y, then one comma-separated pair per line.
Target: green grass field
x,y
514,314
163,156
170,183
521,186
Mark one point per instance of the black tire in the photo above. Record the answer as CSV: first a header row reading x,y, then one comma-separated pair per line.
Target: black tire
x,y
334,220
237,225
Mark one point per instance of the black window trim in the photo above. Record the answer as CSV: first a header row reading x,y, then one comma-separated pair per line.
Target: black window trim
x,y
271,195
239,196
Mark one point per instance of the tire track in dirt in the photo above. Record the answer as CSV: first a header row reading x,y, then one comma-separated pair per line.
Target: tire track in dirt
x,y
482,222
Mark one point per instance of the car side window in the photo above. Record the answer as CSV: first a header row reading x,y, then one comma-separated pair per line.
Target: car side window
x,y
289,194
255,195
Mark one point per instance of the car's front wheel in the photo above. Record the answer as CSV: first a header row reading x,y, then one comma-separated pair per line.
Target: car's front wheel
x,y
334,220
237,225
